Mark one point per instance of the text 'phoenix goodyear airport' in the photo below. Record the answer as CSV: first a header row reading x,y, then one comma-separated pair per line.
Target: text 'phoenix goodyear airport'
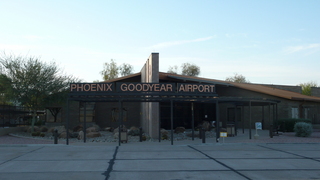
x,y
142,87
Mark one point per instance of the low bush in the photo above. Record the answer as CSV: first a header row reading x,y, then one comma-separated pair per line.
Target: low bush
x,y
287,125
303,129
35,134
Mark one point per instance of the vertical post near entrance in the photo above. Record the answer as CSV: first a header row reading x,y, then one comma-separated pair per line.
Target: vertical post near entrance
x,y
276,112
192,112
217,122
236,120
171,102
263,117
120,120
249,119
85,122
67,122
159,124
273,113
242,114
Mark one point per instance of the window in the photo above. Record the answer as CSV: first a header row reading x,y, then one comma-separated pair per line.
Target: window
x,y
306,112
295,112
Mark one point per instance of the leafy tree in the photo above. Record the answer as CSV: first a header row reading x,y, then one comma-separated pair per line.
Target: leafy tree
x,y
306,87
188,69
111,70
4,89
173,69
126,69
34,84
238,78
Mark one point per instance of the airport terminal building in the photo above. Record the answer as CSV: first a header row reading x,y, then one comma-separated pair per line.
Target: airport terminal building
x,y
153,100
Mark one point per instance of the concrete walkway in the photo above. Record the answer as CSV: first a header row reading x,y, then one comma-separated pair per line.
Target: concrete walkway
x,y
160,161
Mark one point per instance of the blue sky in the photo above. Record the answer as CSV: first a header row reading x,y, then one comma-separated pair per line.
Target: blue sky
x,y
271,42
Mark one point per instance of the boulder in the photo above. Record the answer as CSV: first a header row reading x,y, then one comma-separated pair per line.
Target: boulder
x,y
91,129
93,135
43,129
179,130
36,129
59,128
63,135
73,134
116,130
206,125
164,132
110,129
78,128
134,131
97,127
80,135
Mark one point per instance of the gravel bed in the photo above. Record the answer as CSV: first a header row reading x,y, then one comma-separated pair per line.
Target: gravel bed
x,y
106,136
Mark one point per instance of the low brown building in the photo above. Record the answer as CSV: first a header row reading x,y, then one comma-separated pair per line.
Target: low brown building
x,y
189,101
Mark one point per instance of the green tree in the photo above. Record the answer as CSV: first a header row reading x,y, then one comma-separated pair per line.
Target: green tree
x,y
173,69
238,78
188,69
111,70
34,84
306,87
126,69
5,87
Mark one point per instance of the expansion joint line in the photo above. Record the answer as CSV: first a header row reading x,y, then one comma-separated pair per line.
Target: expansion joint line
x,y
219,162
289,153
22,155
111,163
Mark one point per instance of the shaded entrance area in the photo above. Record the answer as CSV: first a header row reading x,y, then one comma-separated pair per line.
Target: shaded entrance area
x,y
176,109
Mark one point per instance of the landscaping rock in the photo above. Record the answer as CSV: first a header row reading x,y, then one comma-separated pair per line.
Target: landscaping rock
x,y
43,129
179,130
93,134
134,131
206,125
80,135
164,132
78,128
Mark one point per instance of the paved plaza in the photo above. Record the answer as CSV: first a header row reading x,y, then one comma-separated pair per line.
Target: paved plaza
x,y
159,161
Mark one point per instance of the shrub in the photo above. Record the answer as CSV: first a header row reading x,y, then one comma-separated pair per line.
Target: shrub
x,y
35,134
303,129
287,125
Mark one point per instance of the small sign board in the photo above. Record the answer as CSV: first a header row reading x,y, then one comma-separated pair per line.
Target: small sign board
x,y
223,134
258,125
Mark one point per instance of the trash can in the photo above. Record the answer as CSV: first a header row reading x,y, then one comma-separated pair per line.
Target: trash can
x,y
230,130
124,136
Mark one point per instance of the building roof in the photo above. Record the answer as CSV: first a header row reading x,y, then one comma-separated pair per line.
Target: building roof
x,y
247,86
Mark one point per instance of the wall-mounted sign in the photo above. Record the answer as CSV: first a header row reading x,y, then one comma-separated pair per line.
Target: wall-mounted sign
x,y
142,87
195,88
91,87
146,87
